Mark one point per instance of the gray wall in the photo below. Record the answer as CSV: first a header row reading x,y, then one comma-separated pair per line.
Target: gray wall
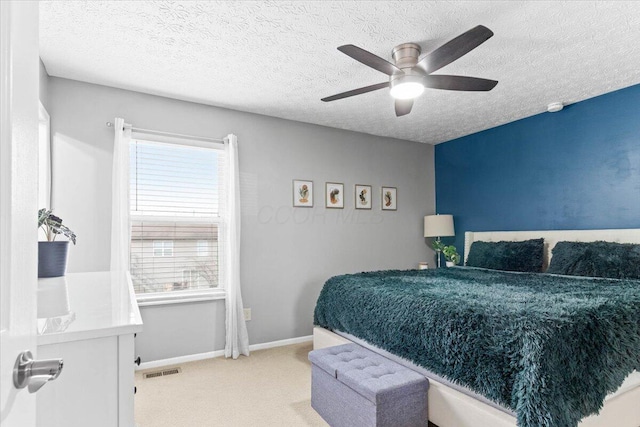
x,y
287,253
44,86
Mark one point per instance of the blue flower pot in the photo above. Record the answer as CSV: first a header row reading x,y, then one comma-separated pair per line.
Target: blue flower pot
x,y
52,258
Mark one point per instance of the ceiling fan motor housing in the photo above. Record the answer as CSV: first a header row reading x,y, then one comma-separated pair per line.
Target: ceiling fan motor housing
x,y
406,57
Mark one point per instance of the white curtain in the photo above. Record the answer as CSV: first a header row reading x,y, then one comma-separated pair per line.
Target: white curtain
x,y
120,229
237,340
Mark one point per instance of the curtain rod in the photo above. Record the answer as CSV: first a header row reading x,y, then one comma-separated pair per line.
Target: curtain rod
x,y
176,135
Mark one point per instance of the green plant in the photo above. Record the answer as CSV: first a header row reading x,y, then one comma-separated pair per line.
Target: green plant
x,y
52,226
451,254
438,246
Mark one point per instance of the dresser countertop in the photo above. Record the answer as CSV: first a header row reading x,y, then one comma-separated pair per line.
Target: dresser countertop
x,y
82,306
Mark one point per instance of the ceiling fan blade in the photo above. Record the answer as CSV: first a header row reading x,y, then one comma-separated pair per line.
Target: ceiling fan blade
x,y
354,92
474,84
454,49
403,107
370,60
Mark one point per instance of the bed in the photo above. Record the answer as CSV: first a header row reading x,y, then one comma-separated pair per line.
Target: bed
x,y
465,400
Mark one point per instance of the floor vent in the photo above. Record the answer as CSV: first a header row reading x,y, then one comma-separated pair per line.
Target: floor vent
x,y
166,372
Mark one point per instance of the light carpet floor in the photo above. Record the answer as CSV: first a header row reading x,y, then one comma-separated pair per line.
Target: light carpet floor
x,y
270,388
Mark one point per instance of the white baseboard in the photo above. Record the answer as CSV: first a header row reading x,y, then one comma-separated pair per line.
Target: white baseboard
x,y
280,343
219,353
180,359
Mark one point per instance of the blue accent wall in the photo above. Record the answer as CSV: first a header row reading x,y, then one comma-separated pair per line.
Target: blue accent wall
x,y
575,169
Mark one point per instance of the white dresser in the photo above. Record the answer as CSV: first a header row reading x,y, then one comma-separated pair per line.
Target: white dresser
x,y
89,320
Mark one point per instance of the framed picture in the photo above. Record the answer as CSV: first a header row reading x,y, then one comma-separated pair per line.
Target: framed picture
x,y
334,195
302,193
363,196
389,198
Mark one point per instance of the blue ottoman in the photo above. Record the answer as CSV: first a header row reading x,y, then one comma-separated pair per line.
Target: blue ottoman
x,y
355,387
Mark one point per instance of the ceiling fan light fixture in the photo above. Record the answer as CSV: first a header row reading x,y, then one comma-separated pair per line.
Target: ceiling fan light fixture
x,y
409,73
407,90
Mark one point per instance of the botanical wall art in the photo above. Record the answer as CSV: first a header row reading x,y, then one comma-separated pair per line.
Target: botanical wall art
x,y
389,198
363,196
334,193
302,193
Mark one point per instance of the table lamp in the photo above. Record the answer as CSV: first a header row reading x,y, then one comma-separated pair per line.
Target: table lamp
x,y
438,226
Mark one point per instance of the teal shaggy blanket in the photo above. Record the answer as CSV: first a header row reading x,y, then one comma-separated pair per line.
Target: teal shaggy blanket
x,y
548,347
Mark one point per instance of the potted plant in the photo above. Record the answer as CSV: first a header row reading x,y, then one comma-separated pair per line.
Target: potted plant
x,y
52,255
451,255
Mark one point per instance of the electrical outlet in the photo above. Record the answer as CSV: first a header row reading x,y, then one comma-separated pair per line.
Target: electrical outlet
x,y
247,314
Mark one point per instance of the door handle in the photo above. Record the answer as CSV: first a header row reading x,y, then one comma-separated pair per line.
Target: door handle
x,y
35,373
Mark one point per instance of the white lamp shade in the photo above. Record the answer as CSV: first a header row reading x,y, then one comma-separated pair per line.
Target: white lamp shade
x,y
438,226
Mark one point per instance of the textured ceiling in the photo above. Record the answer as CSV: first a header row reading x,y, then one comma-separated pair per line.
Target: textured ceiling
x,y
279,58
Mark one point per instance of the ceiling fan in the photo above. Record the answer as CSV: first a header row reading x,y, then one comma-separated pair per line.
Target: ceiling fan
x,y
410,74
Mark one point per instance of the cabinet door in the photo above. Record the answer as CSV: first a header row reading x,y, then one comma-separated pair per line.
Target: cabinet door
x,y
87,392
126,376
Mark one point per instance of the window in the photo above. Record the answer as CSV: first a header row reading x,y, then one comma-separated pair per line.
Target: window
x,y
203,247
190,278
162,248
175,217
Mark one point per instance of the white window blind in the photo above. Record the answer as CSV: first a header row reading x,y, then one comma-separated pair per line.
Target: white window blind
x,y
175,216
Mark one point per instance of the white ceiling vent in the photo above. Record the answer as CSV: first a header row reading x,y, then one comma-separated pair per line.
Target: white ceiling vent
x,y
554,107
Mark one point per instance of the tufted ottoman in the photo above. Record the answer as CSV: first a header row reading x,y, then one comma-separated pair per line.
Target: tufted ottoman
x,y
354,387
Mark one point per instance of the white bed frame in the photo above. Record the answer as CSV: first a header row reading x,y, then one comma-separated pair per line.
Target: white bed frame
x,y
629,235
451,408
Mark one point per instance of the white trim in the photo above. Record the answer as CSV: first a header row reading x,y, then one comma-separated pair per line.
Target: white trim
x,y
137,217
177,297
173,138
160,139
218,353
45,156
280,343
179,360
